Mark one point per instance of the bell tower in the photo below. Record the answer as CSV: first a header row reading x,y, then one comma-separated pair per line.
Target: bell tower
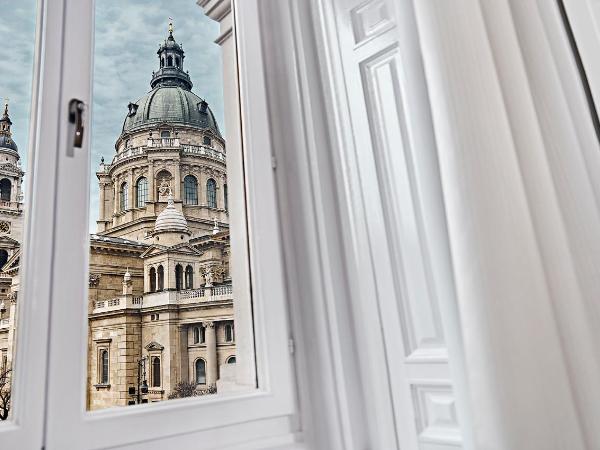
x,y
11,178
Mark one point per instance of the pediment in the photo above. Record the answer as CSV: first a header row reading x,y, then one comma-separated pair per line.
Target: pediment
x,y
154,249
154,346
179,249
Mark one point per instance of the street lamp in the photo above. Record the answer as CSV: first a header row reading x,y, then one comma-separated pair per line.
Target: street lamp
x,y
142,385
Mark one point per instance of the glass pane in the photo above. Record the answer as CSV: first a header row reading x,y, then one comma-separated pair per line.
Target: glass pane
x,y
17,24
161,306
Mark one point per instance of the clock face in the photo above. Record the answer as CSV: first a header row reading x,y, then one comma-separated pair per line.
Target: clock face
x,y
4,227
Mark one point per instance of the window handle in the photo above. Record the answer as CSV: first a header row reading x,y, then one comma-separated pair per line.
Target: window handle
x,y
76,108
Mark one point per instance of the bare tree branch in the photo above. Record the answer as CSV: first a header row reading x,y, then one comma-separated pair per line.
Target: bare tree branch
x,y
5,392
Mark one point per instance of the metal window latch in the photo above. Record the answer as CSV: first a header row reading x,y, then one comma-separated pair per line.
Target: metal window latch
x,y
76,108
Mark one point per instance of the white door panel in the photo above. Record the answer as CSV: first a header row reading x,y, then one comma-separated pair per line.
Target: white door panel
x,y
394,152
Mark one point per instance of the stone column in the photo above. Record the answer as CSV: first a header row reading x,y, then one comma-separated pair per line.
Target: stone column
x,y
115,200
211,353
115,196
101,201
183,353
130,190
151,188
176,169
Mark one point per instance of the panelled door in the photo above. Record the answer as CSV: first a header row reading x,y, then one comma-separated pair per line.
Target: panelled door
x,y
394,155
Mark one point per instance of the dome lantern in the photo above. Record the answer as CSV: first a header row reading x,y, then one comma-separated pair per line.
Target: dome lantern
x,y
170,72
171,221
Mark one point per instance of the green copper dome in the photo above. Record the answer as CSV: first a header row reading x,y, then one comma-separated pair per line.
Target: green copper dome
x,y
173,105
171,99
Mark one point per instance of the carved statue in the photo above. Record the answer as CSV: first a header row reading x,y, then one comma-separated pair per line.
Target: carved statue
x,y
164,187
208,277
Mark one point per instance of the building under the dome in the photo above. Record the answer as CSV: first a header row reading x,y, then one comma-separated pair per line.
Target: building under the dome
x,y
160,303
160,298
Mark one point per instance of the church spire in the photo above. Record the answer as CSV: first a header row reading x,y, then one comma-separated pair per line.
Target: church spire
x,y
6,141
5,122
170,57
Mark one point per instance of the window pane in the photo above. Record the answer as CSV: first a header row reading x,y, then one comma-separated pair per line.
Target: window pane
x,y
160,291
17,24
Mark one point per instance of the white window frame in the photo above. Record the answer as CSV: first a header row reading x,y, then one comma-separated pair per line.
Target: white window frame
x,y
25,429
263,413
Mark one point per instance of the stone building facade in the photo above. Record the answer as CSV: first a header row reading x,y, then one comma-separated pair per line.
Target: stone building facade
x,y
160,302
160,298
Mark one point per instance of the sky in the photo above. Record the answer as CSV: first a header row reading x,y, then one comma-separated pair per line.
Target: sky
x,y
127,36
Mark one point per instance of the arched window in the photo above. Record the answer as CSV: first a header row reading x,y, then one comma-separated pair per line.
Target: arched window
x,y
161,278
162,62
3,258
169,61
231,360
5,188
178,277
177,61
207,140
211,193
189,277
228,333
165,134
152,279
141,192
190,190
104,367
155,371
123,196
225,197
200,371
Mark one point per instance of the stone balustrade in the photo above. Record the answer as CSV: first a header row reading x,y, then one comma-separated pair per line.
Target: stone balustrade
x,y
168,143
211,294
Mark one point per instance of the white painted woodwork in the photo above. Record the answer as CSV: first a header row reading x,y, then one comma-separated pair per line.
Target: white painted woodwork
x,y
389,156
519,161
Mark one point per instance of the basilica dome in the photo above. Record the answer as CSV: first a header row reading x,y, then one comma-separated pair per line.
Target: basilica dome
x,y
173,105
171,220
6,142
171,100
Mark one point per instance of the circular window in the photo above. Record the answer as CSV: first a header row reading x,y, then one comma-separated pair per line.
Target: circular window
x,y
4,227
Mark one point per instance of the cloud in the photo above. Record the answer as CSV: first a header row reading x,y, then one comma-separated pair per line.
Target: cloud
x,y
127,35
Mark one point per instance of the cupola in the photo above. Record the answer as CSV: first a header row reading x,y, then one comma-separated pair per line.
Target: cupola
x,y
170,60
6,141
171,226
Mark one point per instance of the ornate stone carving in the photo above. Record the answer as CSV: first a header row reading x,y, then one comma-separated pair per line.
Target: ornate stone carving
x,y
94,279
164,188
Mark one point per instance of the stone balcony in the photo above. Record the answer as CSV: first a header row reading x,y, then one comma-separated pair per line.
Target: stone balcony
x,y
169,144
185,297
117,303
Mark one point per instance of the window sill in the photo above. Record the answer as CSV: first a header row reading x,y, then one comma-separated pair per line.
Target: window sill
x,y
102,386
